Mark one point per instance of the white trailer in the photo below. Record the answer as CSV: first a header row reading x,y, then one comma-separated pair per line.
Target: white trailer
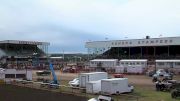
x,y
115,86
132,65
105,63
133,62
163,64
135,69
93,87
173,65
93,76
119,69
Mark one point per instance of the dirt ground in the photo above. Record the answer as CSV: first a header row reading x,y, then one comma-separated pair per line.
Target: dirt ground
x,y
133,79
10,93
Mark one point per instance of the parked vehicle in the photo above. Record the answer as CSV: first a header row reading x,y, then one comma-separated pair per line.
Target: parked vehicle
x,y
166,85
163,86
102,98
74,82
162,74
118,75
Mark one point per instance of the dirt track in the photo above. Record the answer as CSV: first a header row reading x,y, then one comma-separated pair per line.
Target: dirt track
x,y
10,93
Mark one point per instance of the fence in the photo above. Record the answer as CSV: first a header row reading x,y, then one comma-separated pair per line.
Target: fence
x,y
69,90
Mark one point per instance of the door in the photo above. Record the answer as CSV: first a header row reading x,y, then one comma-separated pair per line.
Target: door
x,y
83,81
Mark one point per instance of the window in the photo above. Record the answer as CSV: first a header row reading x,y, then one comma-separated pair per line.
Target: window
x,y
137,63
161,63
126,63
20,75
152,41
161,41
166,41
122,63
177,63
142,63
10,76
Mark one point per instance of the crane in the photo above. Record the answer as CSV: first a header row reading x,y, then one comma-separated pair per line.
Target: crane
x,y
55,81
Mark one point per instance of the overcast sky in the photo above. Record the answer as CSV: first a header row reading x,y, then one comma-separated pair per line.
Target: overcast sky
x,y
68,24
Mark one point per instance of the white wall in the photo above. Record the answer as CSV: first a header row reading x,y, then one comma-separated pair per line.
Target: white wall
x,y
104,63
14,71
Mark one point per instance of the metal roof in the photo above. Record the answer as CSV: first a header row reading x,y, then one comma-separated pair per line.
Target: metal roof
x,y
103,60
24,42
133,60
167,60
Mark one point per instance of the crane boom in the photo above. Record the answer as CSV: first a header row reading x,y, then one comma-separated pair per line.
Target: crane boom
x,y
55,81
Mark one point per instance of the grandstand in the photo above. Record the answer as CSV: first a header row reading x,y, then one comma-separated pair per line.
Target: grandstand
x,y
17,53
148,48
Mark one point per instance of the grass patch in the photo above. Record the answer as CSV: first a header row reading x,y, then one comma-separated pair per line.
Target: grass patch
x,y
150,94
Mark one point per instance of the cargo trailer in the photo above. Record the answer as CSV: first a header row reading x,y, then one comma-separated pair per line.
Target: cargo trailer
x,y
105,63
93,76
115,86
93,87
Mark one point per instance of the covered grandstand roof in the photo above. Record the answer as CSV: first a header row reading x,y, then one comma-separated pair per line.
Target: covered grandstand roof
x,y
103,60
164,41
134,60
24,42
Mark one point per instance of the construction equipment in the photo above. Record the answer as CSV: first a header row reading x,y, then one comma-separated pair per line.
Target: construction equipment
x,y
54,83
168,85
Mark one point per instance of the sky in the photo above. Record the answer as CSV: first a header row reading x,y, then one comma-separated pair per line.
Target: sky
x,y
68,24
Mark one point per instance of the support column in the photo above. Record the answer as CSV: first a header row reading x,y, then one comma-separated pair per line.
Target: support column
x,y
141,52
154,51
129,52
168,51
118,52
